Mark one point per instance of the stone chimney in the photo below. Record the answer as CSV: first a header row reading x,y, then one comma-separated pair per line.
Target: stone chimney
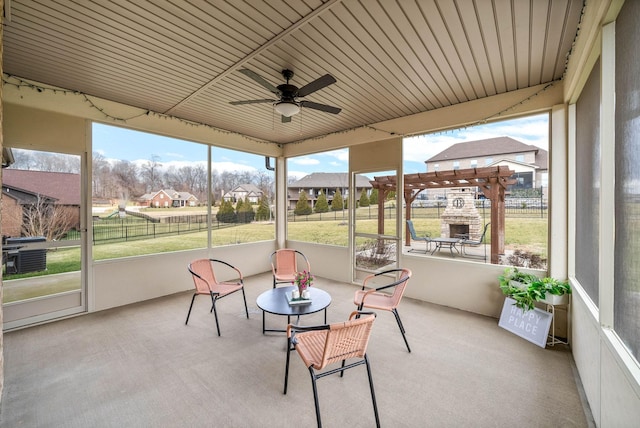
x,y
461,217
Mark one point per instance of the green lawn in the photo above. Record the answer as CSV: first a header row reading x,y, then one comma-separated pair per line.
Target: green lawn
x,y
527,234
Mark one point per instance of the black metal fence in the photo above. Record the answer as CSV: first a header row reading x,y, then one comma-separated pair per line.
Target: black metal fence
x,y
517,207
131,228
136,227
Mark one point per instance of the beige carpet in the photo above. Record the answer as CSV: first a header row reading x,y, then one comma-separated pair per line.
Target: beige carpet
x,y
140,366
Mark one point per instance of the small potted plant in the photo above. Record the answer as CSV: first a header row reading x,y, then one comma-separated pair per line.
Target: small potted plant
x,y
303,281
527,289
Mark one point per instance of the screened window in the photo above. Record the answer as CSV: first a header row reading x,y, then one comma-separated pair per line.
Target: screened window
x,y
450,213
588,184
627,189
317,197
151,195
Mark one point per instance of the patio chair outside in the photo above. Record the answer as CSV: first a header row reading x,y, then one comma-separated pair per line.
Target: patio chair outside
x,y
376,298
472,243
322,345
414,236
205,282
284,265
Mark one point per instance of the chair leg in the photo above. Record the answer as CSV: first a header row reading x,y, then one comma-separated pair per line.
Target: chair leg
x,y
286,370
244,297
191,306
315,396
397,315
215,313
373,394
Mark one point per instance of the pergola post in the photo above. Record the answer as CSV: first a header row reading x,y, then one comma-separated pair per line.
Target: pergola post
x,y
495,192
409,197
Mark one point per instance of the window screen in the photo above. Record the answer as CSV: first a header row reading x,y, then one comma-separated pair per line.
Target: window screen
x,y
627,189
588,184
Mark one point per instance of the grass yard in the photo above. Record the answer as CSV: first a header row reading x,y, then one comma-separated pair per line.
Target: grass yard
x,y
525,234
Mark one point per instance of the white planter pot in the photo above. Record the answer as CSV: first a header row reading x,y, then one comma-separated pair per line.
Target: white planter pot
x,y
517,284
555,300
550,299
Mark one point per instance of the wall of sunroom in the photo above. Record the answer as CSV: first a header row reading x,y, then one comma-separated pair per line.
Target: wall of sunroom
x,y
110,282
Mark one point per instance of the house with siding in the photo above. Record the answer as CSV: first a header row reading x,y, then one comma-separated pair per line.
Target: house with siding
x,y
327,183
529,162
244,191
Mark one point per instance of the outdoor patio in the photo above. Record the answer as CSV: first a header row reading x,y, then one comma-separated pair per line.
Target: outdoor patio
x,y
139,365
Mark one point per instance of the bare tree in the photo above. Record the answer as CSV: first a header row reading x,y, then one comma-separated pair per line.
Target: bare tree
x,y
125,179
150,174
45,218
46,161
101,172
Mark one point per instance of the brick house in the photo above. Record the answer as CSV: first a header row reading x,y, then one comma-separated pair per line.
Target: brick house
x,y
166,198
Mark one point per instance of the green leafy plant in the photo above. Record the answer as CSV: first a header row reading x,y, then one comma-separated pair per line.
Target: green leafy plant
x,y
527,289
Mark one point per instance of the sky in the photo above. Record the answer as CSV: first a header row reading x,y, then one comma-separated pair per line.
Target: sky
x,y
138,147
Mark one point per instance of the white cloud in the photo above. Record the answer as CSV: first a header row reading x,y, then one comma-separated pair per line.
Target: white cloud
x,y
305,160
297,174
231,167
341,155
174,155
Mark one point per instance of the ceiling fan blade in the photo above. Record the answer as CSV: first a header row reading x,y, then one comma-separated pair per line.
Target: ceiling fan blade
x,y
321,107
286,119
259,79
317,84
264,100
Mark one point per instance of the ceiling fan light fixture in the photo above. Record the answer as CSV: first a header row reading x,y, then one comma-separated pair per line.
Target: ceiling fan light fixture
x,y
287,108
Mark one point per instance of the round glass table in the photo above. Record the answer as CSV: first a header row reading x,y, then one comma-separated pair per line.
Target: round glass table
x,y
275,301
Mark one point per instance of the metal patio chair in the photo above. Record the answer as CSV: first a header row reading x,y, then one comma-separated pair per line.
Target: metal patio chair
x,y
206,283
386,297
322,345
284,265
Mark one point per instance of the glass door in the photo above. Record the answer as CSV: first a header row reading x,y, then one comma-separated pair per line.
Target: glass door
x,y
42,223
374,215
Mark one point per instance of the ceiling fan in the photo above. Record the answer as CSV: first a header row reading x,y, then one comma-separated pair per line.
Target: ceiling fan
x,y
287,103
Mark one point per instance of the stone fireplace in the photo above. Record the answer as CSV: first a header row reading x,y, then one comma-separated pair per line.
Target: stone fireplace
x,y
461,215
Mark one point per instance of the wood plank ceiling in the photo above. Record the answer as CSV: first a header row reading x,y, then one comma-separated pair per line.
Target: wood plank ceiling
x,y
390,58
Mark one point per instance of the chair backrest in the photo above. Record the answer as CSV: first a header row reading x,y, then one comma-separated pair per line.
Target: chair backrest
x,y
202,273
401,285
285,262
484,232
412,231
348,339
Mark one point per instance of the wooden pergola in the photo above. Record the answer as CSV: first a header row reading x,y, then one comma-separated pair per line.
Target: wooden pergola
x,y
493,182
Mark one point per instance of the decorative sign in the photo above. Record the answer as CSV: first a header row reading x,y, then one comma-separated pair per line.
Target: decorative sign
x,y
458,202
531,325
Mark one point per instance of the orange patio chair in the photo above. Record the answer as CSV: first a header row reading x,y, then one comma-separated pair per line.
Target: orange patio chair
x,y
376,298
284,265
322,345
205,282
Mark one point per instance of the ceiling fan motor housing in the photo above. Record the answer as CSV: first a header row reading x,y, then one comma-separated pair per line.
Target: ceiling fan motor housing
x,y
288,92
